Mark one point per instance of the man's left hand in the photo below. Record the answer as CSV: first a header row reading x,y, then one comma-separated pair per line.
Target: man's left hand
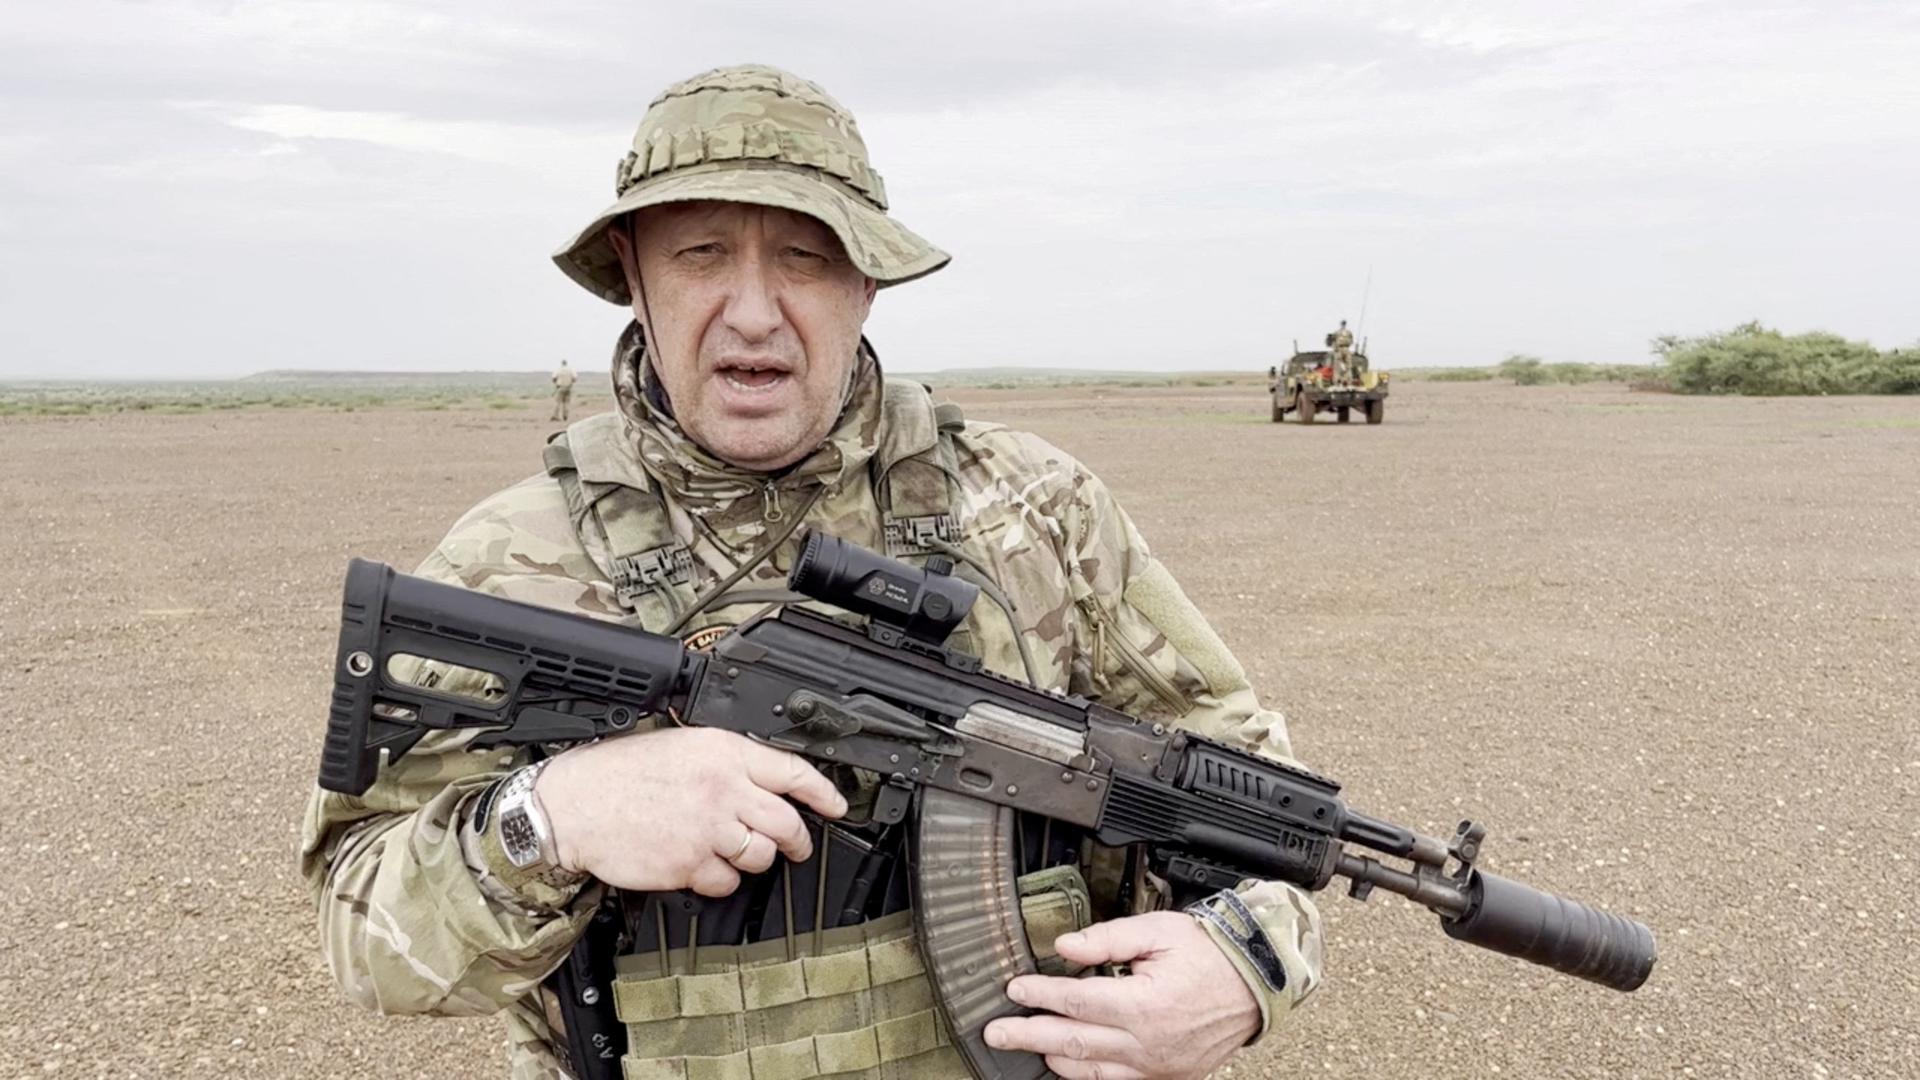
x,y
1182,1011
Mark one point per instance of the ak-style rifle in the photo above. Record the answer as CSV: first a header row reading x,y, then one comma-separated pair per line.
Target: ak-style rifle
x,y
959,752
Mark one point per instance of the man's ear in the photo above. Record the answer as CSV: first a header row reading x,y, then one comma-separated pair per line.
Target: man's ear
x,y
619,234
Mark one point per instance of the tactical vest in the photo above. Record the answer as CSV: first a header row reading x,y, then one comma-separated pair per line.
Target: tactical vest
x,y
809,969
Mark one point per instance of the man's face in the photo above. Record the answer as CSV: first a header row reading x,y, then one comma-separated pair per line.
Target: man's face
x,y
755,314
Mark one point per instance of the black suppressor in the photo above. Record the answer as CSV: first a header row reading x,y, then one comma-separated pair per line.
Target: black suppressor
x,y
1555,932
922,604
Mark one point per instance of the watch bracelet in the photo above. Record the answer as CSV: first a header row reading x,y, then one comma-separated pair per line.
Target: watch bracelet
x,y
487,822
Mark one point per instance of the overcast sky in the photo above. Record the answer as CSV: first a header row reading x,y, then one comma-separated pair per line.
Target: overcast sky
x,y
198,188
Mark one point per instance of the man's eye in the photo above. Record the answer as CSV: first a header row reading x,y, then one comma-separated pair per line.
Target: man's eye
x,y
803,253
700,249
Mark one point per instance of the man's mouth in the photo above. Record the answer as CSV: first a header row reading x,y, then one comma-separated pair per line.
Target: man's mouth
x,y
753,376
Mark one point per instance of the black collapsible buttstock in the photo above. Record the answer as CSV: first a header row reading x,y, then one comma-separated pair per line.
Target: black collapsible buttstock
x,y
561,677
350,755
1555,932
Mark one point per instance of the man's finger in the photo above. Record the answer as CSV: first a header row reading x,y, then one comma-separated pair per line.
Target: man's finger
x,y
1057,1036
714,878
752,853
788,774
1121,940
1095,1000
775,818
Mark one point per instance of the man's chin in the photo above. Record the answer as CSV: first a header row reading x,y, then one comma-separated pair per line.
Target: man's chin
x,y
775,447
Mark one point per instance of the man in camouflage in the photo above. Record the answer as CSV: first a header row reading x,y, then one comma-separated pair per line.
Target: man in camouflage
x,y
1343,352
1342,342
749,238
563,380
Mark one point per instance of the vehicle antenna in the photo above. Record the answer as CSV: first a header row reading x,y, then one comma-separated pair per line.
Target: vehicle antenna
x,y
1365,295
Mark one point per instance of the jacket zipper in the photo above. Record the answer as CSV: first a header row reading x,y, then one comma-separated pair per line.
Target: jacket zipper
x,y
770,500
1130,656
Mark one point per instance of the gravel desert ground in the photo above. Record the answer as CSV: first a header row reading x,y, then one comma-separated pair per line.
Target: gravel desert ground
x,y
1664,647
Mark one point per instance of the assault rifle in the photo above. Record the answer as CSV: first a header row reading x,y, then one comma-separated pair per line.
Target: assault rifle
x,y
959,750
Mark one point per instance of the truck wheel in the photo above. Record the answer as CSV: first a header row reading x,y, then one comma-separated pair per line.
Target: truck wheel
x,y
1376,410
1304,408
1342,416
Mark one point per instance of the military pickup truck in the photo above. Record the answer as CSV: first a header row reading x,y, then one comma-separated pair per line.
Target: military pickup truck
x,y
1309,386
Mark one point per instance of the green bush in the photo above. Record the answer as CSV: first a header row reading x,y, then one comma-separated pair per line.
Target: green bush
x,y
1532,371
1752,359
1592,373
1525,370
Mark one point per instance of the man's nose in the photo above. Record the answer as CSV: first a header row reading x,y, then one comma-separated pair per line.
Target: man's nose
x,y
753,304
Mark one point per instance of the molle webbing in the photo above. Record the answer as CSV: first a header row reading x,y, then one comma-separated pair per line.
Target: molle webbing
x,y
861,1007
1053,902
646,560
916,486
919,470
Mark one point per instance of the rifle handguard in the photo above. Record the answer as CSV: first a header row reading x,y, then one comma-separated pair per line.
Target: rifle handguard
x,y
1555,932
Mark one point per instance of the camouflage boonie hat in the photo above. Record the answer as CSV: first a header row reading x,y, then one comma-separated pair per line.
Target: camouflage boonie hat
x,y
753,134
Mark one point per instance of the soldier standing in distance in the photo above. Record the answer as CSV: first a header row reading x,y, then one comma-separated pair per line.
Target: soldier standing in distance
x,y
563,380
1342,342
749,237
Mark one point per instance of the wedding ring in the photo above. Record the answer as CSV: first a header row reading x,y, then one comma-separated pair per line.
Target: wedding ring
x,y
744,845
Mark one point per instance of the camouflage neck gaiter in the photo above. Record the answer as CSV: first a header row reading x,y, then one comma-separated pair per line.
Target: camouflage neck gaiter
x,y
704,484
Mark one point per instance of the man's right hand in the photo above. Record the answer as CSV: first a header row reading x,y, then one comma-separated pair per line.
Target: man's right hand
x,y
681,808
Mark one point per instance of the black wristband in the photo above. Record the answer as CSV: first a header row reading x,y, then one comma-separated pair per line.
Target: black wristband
x,y
482,809
1251,942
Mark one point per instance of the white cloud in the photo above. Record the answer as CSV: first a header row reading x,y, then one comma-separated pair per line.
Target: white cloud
x,y
1139,185
511,146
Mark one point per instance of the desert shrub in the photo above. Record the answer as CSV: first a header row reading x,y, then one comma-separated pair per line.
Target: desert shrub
x,y
1525,370
1457,374
1752,359
1532,371
1612,373
1898,372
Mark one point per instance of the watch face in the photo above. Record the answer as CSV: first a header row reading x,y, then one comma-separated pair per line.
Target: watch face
x,y
518,838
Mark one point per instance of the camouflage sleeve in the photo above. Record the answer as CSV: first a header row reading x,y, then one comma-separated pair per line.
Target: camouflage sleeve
x,y
1149,651
418,912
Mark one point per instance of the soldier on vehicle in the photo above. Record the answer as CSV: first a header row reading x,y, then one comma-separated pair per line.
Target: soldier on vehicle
x,y
749,237
1342,342
563,380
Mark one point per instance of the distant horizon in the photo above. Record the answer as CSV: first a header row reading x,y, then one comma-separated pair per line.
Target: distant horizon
x,y
451,375
1651,359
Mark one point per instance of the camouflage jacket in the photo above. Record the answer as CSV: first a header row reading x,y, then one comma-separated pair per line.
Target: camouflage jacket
x,y
412,918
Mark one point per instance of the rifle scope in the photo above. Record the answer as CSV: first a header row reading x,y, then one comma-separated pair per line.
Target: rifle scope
x,y
924,604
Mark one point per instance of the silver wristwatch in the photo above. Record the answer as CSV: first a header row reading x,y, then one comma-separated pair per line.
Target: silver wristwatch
x,y
525,834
